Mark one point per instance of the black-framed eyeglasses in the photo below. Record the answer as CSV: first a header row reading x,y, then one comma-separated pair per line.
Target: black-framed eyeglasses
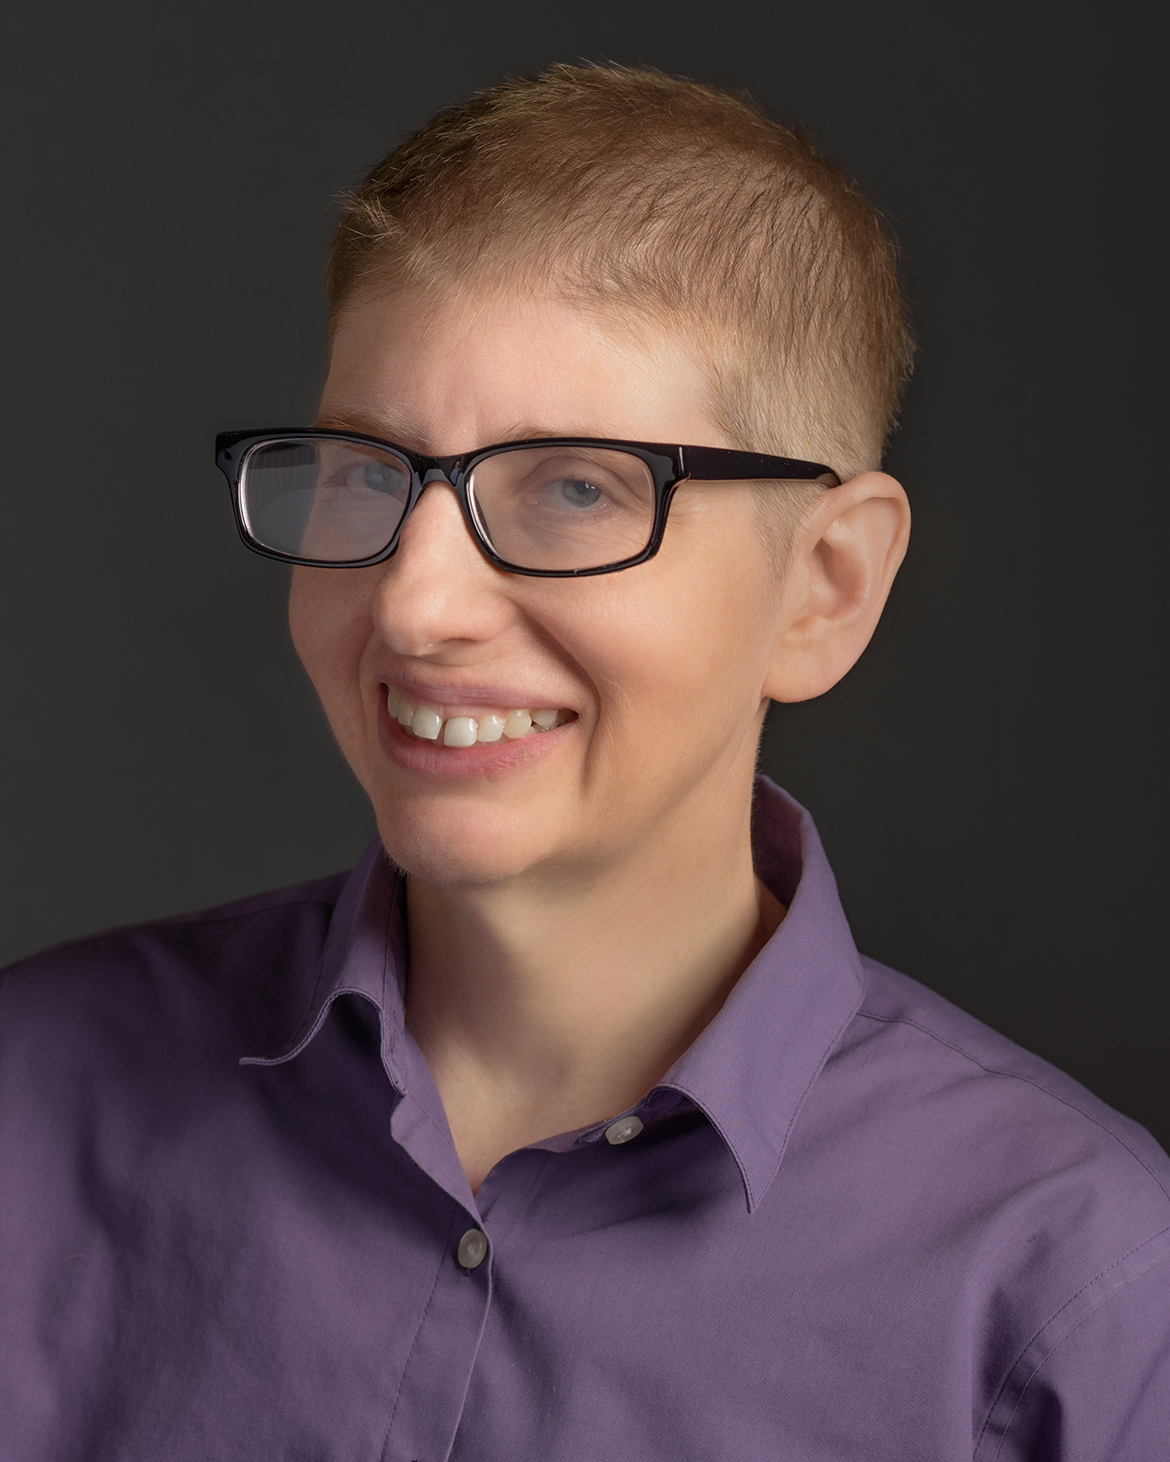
x,y
558,507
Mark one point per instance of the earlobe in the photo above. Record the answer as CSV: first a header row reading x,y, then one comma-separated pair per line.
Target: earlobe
x,y
839,577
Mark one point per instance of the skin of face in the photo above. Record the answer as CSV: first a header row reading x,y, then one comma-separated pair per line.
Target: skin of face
x,y
663,668
581,901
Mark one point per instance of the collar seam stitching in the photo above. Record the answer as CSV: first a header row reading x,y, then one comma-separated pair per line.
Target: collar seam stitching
x,y
397,1008
745,1176
820,1066
306,1027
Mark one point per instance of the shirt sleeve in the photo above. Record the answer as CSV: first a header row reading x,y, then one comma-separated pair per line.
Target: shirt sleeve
x,y
1102,1394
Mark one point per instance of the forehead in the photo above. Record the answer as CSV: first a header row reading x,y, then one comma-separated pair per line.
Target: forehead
x,y
452,374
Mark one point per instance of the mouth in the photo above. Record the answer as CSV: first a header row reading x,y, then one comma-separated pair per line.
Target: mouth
x,y
428,723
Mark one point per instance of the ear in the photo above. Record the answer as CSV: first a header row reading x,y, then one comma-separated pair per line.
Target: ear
x,y
841,567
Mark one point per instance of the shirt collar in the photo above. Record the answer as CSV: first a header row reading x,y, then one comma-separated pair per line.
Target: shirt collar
x,y
752,1067
364,954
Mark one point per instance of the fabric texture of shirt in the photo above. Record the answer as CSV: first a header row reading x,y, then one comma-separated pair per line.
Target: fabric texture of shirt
x,y
855,1223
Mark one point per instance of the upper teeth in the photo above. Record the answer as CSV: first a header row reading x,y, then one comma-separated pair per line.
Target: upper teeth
x,y
428,724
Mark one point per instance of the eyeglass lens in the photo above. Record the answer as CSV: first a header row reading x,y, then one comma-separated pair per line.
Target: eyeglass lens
x,y
329,500
556,507
565,507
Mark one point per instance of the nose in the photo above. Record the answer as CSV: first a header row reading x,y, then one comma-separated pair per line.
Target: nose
x,y
438,591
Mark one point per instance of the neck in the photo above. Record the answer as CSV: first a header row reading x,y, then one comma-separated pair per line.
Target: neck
x,y
552,1002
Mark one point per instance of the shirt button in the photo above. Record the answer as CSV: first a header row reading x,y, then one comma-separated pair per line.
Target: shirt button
x,y
472,1250
622,1130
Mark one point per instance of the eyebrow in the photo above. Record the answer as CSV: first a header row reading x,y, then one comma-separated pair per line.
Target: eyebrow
x,y
406,431
402,431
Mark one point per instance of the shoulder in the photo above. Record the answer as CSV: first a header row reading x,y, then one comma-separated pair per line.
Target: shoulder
x,y
972,1077
1056,1199
241,964
1024,1204
281,907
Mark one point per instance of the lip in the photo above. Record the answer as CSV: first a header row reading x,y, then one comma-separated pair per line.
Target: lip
x,y
486,758
465,700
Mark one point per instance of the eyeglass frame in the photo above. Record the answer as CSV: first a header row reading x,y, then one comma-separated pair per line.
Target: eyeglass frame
x,y
670,466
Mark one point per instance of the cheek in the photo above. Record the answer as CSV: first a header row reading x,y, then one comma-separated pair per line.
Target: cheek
x,y
329,619
674,649
720,596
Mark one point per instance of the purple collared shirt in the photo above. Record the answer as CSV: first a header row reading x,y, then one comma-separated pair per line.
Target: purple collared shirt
x,y
851,1222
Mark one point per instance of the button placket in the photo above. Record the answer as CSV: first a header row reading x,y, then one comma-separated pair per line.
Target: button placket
x,y
433,1389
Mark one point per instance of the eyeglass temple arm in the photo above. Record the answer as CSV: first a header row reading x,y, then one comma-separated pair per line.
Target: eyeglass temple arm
x,y
715,464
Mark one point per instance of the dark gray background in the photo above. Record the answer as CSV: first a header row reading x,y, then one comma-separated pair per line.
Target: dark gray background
x,y
985,780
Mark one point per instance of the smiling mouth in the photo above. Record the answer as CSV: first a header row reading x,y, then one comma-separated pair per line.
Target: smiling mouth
x,y
428,724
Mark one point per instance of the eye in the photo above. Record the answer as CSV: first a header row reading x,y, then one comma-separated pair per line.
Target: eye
x,y
572,492
375,477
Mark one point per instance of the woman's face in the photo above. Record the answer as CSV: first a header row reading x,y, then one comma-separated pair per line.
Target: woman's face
x,y
657,673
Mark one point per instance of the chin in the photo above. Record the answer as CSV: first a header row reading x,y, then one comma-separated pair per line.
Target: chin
x,y
451,842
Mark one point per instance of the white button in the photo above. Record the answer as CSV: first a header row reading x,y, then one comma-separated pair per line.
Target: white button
x,y
622,1130
472,1250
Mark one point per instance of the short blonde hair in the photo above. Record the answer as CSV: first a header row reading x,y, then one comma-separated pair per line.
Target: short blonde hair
x,y
657,200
